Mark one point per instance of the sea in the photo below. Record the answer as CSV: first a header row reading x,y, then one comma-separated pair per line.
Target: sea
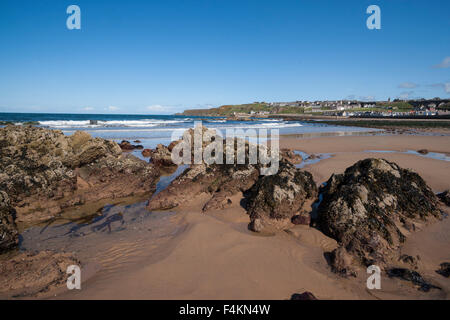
x,y
153,129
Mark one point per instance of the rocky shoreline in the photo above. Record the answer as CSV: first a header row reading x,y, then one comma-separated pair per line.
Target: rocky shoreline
x,y
369,210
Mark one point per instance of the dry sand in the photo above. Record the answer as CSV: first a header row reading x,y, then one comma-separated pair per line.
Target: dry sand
x,y
215,257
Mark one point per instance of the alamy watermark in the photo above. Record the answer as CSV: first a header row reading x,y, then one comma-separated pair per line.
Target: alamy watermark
x,y
374,280
74,280
74,20
374,20
210,146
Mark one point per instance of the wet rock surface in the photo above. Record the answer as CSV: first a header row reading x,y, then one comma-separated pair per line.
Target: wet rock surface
x,y
303,296
32,273
161,156
291,156
9,236
444,269
412,276
365,208
44,172
445,197
276,199
127,146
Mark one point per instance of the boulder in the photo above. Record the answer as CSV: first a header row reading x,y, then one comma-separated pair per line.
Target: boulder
x,y
9,236
290,156
365,208
423,151
161,156
303,218
29,274
445,197
303,296
276,199
444,269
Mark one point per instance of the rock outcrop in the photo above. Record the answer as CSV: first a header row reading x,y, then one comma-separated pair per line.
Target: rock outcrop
x,y
43,171
30,274
275,199
369,208
291,156
9,237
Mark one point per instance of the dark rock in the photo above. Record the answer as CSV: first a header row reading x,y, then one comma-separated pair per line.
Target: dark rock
x,y
360,208
409,260
444,270
29,274
146,153
303,296
137,141
161,156
9,236
413,276
445,197
93,122
291,156
423,151
341,262
275,199
256,225
126,145
304,219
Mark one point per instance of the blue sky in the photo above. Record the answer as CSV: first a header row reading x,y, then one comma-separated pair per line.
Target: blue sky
x,y
165,56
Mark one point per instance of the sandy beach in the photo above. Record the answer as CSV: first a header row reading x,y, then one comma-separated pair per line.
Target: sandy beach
x,y
215,256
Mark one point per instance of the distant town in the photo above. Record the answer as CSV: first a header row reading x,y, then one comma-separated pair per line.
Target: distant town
x,y
396,108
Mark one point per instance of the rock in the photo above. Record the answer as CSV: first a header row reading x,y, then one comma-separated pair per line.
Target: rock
x,y
341,262
146,153
303,296
363,208
303,218
444,270
407,259
93,122
256,225
313,157
126,145
291,156
423,151
275,199
218,181
172,145
137,141
413,276
161,156
9,236
445,197
30,274
43,171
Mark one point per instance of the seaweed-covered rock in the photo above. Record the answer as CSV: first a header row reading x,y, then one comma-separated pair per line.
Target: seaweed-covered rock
x,y
444,269
161,156
44,171
303,296
291,156
276,199
9,236
412,276
445,197
364,208
33,273
218,181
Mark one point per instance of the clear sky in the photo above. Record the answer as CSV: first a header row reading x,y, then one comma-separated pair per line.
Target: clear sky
x,y
164,56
